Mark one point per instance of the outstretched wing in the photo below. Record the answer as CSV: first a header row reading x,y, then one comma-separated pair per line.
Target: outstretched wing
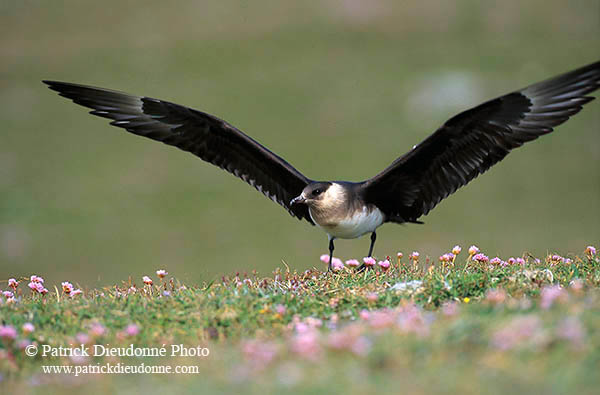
x,y
472,141
204,135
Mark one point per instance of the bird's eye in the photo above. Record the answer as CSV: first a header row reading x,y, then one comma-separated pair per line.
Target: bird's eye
x,y
317,192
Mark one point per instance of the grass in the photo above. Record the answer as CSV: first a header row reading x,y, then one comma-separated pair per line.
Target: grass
x,y
472,325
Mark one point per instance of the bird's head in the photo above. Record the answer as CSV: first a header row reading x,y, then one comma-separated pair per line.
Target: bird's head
x,y
312,194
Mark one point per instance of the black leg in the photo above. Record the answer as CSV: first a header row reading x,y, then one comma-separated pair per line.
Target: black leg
x,y
330,253
373,238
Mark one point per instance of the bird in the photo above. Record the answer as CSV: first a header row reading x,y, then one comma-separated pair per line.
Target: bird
x,y
465,146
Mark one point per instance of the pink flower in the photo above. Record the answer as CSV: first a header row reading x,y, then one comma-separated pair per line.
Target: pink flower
x,y
511,261
82,338
36,279
384,265
280,309
13,283
364,314
449,257
450,309
497,261
67,287
590,251
28,327
372,297
337,264
325,259
37,286
260,352
399,255
147,280
132,330
306,344
161,273
352,263
369,261
518,331
521,261
473,250
456,250
550,294
572,330
8,332
97,330
414,256
76,292
7,294
481,258
495,296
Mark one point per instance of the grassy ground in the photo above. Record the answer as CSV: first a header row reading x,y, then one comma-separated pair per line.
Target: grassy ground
x,y
468,324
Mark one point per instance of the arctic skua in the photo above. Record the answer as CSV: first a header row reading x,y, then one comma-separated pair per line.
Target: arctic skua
x,y
465,146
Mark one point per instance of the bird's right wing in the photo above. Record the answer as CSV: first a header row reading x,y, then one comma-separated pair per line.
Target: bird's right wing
x,y
471,142
204,135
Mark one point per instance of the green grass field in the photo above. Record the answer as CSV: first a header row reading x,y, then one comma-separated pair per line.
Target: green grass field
x,y
469,325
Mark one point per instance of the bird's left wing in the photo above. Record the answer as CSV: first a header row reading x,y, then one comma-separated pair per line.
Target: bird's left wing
x,y
204,135
472,141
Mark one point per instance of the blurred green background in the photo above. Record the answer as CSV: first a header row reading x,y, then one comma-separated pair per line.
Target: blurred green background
x,y
338,88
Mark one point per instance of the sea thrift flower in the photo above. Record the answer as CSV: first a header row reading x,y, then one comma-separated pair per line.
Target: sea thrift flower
x,y
495,296
82,338
399,255
260,353
76,292
7,294
590,251
97,330
147,280
496,261
161,273
521,261
511,261
8,332
280,309
456,250
518,331
369,261
448,257
36,279
364,314
481,258
372,297
13,283
414,256
551,293
450,309
28,327
384,265
325,259
132,330
352,263
572,330
473,250
337,264
67,287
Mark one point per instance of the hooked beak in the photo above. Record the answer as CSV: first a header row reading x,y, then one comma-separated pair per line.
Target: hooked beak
x,y
298,200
